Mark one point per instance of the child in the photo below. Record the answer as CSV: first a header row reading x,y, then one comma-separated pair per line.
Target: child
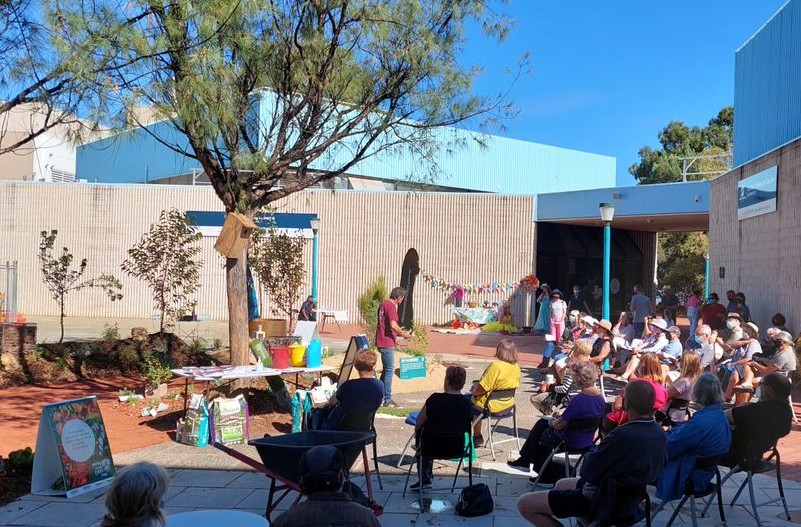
x,y
134,498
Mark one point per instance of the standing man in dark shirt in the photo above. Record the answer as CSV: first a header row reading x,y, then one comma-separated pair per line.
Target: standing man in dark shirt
x,y
446,411
578,301
386,332
760,424
731,298
619,460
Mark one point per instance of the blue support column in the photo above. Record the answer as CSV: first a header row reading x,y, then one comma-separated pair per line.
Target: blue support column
x,y
607,257
314,267
706,278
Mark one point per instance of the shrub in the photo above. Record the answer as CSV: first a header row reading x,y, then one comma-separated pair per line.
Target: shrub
x,y
110,332
156,368
418,344
369,302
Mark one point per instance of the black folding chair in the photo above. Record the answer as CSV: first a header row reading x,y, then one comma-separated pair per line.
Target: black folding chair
x,y
566,455
755,464
664,418
441,441
358,421
707,465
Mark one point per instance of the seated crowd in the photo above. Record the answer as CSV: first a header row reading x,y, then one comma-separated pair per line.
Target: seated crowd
x,y
673,400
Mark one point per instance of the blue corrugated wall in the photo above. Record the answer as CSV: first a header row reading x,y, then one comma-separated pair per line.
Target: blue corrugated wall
x,y
767,86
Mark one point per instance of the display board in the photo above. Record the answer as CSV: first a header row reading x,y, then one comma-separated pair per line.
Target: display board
x,y
72,451
756,195
356,344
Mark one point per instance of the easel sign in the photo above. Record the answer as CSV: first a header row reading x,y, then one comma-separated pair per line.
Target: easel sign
x,y
72,451
356,344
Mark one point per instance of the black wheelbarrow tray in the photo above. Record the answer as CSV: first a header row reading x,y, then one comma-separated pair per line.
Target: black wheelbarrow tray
x,y
280,458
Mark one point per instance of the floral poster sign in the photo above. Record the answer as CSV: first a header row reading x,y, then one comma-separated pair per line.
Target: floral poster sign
x,y
72,451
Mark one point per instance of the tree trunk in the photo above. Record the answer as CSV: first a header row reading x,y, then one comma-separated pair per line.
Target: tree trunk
x,y
61,319
237,287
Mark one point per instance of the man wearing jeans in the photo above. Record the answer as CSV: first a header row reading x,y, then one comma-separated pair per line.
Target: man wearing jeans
x,y
386,331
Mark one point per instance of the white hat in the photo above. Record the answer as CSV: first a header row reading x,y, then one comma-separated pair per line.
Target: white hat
x,y
659,323
590,320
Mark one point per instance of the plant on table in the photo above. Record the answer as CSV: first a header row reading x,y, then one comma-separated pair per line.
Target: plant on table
x,y
277,260
369,302
61,278
167,259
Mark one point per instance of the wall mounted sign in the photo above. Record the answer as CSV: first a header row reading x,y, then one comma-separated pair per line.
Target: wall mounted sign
x,y
756,195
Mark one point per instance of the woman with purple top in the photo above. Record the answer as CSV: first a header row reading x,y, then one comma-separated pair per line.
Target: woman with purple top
x,y
589,403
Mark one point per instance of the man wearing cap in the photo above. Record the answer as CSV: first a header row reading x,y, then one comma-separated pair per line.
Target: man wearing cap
x,y
322,475
713,313
670,354
640,308
783,361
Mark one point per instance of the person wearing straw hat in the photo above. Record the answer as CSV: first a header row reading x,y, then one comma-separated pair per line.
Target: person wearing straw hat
x,y
602,347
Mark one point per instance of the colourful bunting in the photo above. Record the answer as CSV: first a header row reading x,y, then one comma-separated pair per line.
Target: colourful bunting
x,y
528,283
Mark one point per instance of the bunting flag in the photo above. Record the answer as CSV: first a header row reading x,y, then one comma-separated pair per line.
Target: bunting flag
x,y
528,283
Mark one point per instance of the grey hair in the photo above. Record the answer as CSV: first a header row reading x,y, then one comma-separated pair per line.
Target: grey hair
x,y
708,390
397,293
584,374
135,495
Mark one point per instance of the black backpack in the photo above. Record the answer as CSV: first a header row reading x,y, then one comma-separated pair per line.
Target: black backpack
x,y
475,500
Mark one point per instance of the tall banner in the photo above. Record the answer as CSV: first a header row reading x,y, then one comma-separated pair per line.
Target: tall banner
x,y
72,451
409,272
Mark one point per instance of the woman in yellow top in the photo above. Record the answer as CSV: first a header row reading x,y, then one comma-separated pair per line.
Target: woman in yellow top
x,y
503,374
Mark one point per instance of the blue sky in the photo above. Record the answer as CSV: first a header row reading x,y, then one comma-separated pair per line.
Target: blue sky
x,y
608,75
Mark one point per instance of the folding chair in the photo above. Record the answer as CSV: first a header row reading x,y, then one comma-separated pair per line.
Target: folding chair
x,y
442,442
790,376
363,422
411,419
499,395
563,453
664,418
757,465
705,465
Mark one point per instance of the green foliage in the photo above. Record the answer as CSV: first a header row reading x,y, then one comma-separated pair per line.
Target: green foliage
x,y
156,368
681,261
20,461
369,302
277,261
679,140
418,344
111,332
61,278
167,259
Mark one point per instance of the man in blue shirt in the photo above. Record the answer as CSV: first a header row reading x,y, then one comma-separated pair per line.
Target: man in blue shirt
x,y
670,355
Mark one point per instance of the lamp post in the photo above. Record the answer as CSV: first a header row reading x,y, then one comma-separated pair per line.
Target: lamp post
x,y
607,213
706,276
315,227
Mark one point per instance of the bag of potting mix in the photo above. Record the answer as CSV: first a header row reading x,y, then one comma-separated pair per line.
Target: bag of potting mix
x,y
230,420
193,429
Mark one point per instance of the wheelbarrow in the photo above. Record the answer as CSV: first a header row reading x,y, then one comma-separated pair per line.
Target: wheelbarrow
x,y
280,459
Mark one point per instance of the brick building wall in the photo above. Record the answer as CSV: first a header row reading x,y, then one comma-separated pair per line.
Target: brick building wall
x,y
464,238
761,255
